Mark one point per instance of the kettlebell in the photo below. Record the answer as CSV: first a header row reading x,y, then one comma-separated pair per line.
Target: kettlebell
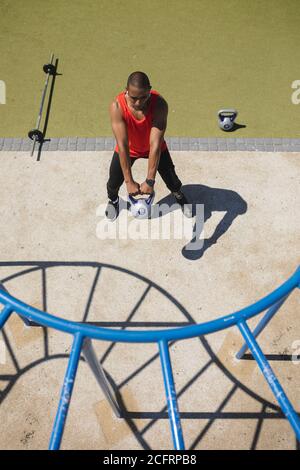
x,y
227,118
140,208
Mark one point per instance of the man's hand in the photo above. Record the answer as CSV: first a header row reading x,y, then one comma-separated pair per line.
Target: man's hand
x,y
133,188
145,188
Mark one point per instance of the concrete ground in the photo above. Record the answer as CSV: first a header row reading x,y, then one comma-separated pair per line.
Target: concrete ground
x,y
54,256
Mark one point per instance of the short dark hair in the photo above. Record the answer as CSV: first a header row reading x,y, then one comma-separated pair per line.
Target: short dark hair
x,y
138,80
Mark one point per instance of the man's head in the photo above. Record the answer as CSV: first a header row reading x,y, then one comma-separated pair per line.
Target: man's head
x,y
138,89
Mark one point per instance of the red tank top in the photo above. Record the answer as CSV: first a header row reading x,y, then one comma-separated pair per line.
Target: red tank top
x,y
138,131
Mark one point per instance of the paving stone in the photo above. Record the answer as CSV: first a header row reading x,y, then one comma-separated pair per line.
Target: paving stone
x,y
213,146
26,144
222,147
294,148
203,147
100,143
16,144
63,143
184,145
175,146
46,146
193,143
231,147
109,143
72,143
7,145
90,144
81,144
260,147
53,144
193,146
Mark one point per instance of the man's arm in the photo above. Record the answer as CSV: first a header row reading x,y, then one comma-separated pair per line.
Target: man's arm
x,y
159,125
120,131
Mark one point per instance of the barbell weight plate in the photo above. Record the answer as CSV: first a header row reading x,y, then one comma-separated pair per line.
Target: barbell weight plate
x,y
37,134
49,68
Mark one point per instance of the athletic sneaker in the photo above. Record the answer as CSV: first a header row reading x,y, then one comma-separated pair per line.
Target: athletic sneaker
x,y
112,209
186,207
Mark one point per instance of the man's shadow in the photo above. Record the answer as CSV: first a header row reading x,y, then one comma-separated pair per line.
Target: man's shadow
x,y
208,200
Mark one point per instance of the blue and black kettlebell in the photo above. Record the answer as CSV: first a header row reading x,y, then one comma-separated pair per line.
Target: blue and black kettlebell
x,y
227,118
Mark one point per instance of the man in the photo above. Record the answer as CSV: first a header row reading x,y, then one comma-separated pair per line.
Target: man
x,y
139,120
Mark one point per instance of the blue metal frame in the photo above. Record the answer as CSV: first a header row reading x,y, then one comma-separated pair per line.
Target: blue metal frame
x,y
271,378
66,393
81,332
262,324
171,395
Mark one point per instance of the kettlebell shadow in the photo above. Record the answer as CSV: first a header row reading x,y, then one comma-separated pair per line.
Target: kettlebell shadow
x,y
236,126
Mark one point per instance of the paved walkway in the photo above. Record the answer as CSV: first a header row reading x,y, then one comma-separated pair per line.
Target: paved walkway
x,y
52,257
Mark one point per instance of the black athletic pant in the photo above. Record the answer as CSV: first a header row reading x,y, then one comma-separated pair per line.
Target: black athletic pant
x,y
166,169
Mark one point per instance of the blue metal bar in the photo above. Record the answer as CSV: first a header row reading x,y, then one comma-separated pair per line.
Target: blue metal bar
x,y
171,396
5,314
262,324
66,394
271,378
152,336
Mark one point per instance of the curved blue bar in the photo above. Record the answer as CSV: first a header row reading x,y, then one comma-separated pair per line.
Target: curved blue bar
x,y
81,331
5,314
151,336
